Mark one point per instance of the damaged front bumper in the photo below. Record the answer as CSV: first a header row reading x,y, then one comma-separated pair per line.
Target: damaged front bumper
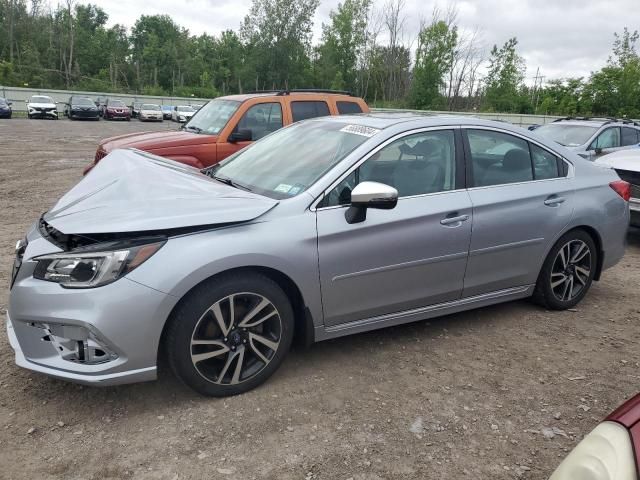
x,y
107,335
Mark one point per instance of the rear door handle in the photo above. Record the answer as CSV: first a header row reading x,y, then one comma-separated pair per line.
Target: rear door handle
x,y
453,220
554,201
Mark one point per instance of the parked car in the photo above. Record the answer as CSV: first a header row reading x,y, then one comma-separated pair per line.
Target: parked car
x,y
100,103
135,109
611,451
592,137
166,111
5,108
150,112
42,106
81,107
227,124
627,165
328,227
116,110
182,113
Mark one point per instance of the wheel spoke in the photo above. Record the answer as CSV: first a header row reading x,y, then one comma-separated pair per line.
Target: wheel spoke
x,y
217,313
564,257
227,364
562,278
580,253
265,341
582,274
238,370
199,357
246,321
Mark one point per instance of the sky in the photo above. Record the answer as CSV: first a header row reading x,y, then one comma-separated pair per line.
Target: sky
x,y
563,38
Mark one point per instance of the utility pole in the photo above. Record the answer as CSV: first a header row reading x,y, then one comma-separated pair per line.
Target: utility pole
x,y
535,92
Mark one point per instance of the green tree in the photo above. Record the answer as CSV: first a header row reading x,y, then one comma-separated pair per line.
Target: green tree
x,y
505,78
434,58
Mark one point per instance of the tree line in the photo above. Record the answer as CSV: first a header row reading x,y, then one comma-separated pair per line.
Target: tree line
x,y
363,48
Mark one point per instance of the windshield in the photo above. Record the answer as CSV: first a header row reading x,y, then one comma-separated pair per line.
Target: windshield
x,y
41,99
212,118
116,103
185,109
167,107
148,106
287,162
3,101
82,101
567,135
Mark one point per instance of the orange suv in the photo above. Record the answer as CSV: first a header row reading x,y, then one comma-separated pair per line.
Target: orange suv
x,y
227,124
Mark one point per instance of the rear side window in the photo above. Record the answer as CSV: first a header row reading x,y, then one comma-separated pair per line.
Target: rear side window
x,y
304,110
498,158
629,136
346,108
545,163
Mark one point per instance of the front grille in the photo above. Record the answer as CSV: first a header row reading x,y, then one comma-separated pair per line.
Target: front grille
x,y
633,178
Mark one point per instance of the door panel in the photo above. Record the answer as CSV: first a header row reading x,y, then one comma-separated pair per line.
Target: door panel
x,y
396,259
513,226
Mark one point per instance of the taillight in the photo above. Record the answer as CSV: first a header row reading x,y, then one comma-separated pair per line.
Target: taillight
x,y
622,188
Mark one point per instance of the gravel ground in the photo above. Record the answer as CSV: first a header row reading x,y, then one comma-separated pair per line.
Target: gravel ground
x,y
465,396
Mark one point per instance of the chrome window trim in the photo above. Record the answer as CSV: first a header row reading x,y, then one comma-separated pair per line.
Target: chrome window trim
x,y
314,205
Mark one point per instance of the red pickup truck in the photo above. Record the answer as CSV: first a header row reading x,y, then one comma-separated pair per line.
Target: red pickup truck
x,y
227,124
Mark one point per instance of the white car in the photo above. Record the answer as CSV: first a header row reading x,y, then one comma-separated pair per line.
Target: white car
x,y
627,165
182,113
150,112
42,106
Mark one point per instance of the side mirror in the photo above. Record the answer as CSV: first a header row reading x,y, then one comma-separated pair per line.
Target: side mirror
x,y
598,151
370,195
241,135
9,103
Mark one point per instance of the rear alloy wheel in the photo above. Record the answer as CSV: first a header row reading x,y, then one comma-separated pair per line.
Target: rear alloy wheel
x,y
230,335
568,271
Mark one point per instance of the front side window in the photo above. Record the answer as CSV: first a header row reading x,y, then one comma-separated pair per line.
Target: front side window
x,y
261,119
610,138
498,158
347,108
288,162
629,136
304,110
414,165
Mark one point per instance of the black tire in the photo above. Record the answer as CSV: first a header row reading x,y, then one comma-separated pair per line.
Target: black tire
x,y
561,296
194,318
29,116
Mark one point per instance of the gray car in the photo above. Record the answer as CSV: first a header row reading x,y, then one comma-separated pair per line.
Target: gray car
x,y
592,137
329,227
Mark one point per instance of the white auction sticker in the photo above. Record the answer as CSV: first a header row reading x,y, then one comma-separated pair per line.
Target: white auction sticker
x,y
360,130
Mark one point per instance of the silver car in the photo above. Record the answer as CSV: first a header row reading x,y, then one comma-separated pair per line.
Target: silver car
x,y
329,227
592,137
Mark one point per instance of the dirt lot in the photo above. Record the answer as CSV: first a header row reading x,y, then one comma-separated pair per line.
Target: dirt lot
x,y
466,396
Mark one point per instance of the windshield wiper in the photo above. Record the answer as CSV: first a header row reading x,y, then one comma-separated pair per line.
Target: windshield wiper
x,y
231,183
193,128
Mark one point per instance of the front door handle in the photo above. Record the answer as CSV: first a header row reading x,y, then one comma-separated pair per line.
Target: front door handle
x,y
554,201
454,219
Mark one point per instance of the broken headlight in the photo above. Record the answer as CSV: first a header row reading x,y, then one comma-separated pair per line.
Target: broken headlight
x,y
91,268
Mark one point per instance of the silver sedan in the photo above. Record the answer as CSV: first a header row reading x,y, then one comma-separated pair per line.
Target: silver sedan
x,y
326,228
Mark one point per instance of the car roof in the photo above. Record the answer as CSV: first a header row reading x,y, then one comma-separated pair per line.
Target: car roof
x,y
595,122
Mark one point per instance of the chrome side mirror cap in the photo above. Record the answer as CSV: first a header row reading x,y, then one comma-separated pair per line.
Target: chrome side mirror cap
x,y
370,195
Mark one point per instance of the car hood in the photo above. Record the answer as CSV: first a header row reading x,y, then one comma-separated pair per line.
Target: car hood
x,y
186,114
156,140
133,191
42,105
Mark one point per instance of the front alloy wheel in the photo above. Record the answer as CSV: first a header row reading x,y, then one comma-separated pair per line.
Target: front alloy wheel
x,y
236,338
229,334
